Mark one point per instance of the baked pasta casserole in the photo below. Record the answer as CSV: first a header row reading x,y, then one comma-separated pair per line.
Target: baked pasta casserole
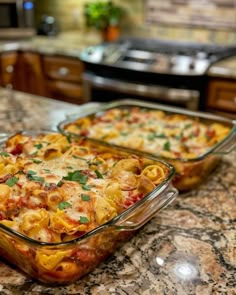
x,y
53,190
176,137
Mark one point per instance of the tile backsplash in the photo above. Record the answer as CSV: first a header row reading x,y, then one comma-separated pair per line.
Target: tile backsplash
x,y
144,18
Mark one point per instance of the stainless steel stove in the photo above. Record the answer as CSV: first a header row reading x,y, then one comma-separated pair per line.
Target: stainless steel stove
x,y
163,71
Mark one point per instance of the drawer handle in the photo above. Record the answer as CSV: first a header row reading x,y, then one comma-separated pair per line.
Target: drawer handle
x,y
9,69
234,99
63,71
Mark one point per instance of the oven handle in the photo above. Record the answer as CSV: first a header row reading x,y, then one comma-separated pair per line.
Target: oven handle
x,y
182,96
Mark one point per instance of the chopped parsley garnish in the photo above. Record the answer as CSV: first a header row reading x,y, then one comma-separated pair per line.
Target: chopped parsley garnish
x,y
166,146
85,197
69,167
59,183
77,176
83,219
38,146
12,181
188,126
31,172
124,133
77,157
47,170
63,205
4,154
99,175
36,161
153,135
31,176
86,187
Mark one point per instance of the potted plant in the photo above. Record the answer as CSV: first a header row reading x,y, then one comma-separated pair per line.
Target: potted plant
x,y
104,16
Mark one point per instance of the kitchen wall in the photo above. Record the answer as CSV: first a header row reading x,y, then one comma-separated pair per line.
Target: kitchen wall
x,y
69,15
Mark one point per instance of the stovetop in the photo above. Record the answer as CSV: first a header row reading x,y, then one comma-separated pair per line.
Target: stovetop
x,y
158,56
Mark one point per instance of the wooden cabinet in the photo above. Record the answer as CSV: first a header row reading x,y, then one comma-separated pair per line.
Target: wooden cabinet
x,y
28,74
222,95
63,78
58,77
8,62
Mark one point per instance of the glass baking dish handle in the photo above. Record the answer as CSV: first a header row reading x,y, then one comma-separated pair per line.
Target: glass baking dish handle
x,y
143,213
4,136
227,146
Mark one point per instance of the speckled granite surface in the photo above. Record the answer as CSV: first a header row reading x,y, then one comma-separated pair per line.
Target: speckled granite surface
x,y
189,248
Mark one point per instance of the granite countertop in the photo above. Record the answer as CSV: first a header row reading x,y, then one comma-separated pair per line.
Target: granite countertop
x,y
71,43
188,248
68,44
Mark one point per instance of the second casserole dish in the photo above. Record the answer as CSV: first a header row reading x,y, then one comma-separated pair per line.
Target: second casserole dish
x,y
192,141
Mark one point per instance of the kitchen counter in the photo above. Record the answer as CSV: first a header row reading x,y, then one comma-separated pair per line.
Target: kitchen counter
x,y
67,44
72,43
188,248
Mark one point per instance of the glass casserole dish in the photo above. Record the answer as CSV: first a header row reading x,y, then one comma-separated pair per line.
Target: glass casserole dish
x,y
191,141
67,205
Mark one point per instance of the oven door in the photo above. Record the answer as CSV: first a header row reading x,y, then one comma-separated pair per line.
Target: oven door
x,y
100,88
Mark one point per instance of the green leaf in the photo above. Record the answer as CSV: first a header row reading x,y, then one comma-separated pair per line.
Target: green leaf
x,y
86,187
83,219
12,181
4,154
76,176
38,146
85,197
166,146
63,205
36,161
35,178
99,175
31,172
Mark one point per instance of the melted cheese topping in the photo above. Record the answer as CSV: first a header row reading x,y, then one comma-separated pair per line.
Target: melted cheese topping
x,y
173,136
57,190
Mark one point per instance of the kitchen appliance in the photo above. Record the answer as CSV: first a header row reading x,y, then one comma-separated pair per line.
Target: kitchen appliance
x,y
47,26
155,70
16,18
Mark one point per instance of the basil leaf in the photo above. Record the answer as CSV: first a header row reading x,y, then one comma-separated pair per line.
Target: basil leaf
x,y
76,176
36,161
4,154
99,175
12,181
166,146
63,205
38,146
86,187
83,219
85,197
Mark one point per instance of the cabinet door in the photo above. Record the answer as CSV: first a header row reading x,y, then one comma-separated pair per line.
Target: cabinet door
x,y
63,78
29,76
8,62
222,95
66,91
63,68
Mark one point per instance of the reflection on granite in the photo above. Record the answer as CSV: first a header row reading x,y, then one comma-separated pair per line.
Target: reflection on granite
x,y
188,248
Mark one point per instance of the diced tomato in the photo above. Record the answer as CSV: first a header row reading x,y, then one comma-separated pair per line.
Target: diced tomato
x,y
84,132
210,133
84,255
17,149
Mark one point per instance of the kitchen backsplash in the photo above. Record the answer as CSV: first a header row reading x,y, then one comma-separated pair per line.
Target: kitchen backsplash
x,y
141,18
